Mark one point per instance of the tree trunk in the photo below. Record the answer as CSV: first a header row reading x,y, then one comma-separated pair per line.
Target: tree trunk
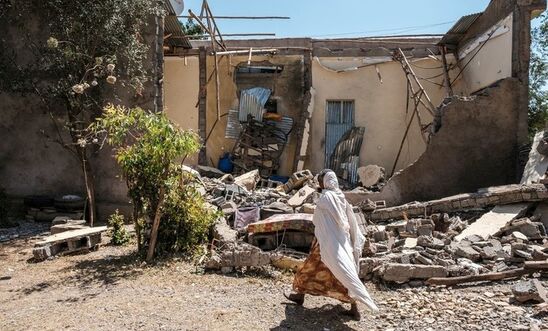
x,y
155,225
90,185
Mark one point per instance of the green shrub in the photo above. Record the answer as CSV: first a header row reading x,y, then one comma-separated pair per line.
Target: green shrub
x,y
187,219
118,233
148,147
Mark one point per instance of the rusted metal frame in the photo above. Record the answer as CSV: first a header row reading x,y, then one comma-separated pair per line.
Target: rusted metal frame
x,y
447,79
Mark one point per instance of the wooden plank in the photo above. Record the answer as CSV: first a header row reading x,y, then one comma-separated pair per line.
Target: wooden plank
x,y
536,165
493,221
448,281
70,235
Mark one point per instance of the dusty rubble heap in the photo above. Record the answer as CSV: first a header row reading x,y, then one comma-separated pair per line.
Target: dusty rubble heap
x,y
494,233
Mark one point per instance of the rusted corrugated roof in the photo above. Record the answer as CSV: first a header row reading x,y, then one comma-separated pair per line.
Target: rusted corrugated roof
x,y
173,27
457,32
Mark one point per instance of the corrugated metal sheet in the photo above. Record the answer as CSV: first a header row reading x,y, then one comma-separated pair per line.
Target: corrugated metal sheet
x,y
457,31
233,126
351,169
252,103
339,119
346,149
173,27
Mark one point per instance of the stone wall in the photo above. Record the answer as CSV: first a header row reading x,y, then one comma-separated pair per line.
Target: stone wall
x,y
31,164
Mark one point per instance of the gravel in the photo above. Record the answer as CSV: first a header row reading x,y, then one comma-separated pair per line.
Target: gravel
x,y
112,289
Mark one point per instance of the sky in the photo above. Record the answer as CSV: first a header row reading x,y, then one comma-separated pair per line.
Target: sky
x,y
341,19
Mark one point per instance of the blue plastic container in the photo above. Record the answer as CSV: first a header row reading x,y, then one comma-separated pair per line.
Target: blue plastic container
x,y
225,163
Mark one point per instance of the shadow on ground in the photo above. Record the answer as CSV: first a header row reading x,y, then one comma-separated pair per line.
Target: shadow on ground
x,y
103,271
327,317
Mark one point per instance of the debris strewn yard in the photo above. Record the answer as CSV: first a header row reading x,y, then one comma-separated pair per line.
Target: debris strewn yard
x,y
112,289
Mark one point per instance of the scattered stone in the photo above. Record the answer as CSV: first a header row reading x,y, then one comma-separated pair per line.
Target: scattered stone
x,y
401,273
531,290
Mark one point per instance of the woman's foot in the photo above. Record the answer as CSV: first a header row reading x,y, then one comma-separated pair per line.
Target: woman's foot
x,y
354,312
298,298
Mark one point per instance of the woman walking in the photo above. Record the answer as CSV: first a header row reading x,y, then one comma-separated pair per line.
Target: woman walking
x,y
331,268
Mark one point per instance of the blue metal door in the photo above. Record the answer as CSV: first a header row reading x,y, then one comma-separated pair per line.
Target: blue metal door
x,y
339,118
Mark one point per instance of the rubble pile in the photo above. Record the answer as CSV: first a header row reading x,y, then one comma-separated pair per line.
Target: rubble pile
x,y
441,245
497,232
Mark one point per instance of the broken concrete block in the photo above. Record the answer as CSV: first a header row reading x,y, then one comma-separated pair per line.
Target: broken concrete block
x,y
531,290
379,236
371,175
427,241
519,235
368,265
209,172
67,227
425,230
493,221
401,273
532,230
301,196
467,251
68,242
223,232
410,243
537,164
308,208
248,180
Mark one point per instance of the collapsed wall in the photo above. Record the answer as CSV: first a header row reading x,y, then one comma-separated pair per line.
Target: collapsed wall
x,y
475,146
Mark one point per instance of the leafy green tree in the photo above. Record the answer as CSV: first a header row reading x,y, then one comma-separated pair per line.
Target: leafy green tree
x,y
83,53
192,29
148,148
538,77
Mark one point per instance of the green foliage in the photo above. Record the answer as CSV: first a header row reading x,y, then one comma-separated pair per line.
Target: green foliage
x,y
538,76
4,208
192,29
147,146
119,235
187,220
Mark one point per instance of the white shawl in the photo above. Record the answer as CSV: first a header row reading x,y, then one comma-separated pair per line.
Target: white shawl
x,y
341,240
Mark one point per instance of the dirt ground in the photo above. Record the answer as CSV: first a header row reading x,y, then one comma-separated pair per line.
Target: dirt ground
x,y
110,289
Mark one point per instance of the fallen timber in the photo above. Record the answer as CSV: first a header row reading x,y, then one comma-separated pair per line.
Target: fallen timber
x,y
485,197
529,267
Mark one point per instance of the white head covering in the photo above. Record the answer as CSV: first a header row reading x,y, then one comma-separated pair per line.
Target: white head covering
x,y
330,181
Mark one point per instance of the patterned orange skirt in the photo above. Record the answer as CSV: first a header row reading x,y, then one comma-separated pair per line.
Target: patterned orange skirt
x,y
314,278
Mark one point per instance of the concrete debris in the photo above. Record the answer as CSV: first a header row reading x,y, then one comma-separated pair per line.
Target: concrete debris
x,y
68,242
371,175
537,164
448,240
302,195
237,255
401,273
248,180
494,220
486,197
530,290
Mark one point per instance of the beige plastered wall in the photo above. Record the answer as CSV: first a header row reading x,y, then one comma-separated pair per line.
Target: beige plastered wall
x,y
492,62
379,107
181,89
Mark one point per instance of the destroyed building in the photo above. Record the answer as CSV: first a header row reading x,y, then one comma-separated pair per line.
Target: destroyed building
x,y
314,91
470,123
